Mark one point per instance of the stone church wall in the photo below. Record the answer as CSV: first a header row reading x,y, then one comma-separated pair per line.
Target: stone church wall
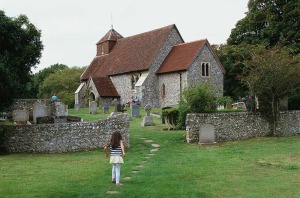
x,y
65,137
216,76
150,92
239,126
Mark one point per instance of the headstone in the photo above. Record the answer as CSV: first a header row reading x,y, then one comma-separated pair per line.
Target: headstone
x,y
207,134
119,108
77,107
21,116
61,109
93,107
105,109
148,109
115,102
39,110
147,120
135,110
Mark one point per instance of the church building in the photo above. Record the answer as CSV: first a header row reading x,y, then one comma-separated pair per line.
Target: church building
x,y
154,66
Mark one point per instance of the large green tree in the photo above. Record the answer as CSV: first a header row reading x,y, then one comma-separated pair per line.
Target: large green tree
x,y
38,78
272,75
269,22
63,84
20,50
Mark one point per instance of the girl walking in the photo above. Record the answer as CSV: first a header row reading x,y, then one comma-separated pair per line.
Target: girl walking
x,y
117,152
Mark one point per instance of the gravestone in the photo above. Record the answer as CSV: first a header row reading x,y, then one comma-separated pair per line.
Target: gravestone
x,y
93,107
135,110
21,116
77,107
147,120
61,109
39,110
115,102
207,134
119,107
105,109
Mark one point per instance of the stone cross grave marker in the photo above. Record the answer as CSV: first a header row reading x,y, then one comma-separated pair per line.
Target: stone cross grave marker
x,y
147,120
93,107
39,110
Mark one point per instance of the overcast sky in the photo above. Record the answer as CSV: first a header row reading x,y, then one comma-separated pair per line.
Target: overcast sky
x,y
71,28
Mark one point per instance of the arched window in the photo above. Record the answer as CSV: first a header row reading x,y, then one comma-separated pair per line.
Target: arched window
x,y
205,69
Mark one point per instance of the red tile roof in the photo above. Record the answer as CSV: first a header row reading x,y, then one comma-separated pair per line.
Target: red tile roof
x,y
97,63
105,87
181,57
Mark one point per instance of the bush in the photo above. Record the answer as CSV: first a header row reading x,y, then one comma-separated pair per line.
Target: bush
x,y
200,99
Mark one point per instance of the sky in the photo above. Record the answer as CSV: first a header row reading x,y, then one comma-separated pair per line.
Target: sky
x,y
71,28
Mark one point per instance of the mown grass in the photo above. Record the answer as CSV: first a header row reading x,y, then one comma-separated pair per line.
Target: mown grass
x,y
263,167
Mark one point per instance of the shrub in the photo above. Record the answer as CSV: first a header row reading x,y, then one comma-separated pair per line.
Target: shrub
x,y
200,99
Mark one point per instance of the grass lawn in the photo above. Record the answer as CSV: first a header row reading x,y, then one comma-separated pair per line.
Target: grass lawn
x,y
263,167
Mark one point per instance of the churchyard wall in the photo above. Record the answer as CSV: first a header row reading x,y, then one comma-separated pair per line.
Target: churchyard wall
x,y
238,126
65,137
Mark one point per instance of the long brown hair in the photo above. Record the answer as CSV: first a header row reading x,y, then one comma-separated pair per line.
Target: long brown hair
x,y
115,139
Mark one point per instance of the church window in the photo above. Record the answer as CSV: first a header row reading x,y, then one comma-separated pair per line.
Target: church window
x,y
205,69
132,82
102,49
163,90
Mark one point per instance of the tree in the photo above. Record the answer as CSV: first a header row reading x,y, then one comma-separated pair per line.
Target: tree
x,y
272,75
63,84
20,50
38,78
269,22
232,58
200,99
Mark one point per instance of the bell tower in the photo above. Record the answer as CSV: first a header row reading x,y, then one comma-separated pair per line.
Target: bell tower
x,y
107,42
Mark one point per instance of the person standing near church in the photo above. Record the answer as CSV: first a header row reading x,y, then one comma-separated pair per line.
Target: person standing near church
x,y
117,152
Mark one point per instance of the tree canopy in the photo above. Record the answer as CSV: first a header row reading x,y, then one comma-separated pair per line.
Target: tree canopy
x,y
269,22
63,84
20,50
272,75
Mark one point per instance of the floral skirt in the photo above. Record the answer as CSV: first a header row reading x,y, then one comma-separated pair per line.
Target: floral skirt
x,y
116,159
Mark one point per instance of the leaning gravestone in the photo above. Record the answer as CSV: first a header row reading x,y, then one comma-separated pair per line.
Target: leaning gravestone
x,y
105,109
93,107
21,116
135,110
39,110
207,134
148,121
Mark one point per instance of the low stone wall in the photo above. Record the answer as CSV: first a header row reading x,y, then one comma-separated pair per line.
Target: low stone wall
x,y
238,126
65,137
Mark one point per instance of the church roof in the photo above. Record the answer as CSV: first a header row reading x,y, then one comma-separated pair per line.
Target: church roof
x,y
111,35
181,56
134,53
105,87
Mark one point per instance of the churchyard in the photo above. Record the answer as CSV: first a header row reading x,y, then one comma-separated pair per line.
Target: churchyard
x,y
159,164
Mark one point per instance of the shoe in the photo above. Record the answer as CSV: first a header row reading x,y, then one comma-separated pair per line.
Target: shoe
x,y
114,181
119,184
